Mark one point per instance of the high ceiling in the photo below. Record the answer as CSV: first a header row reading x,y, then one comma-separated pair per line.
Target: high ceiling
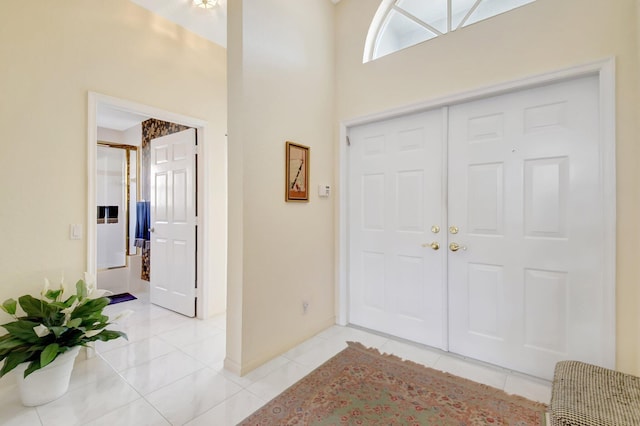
x,y
208,23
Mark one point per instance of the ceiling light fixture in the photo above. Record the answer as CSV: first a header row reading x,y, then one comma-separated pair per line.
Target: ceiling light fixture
x,y
205,4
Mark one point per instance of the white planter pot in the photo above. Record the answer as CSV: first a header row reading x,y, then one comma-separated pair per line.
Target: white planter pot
x,y
48,383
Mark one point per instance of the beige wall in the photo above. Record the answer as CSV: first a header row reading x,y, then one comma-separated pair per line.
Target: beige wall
x,y
281,75
51,56
544,36
281,88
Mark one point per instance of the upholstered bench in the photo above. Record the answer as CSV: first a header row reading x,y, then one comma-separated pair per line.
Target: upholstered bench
x,y
586,395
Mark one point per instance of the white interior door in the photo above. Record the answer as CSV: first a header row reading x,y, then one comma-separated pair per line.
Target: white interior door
x,y
526,193
173,221
523,200
396,277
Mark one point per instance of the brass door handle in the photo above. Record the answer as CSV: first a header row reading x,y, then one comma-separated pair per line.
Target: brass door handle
x,y
455,247
434,245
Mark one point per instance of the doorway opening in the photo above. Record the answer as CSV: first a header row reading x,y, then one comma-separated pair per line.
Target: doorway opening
x,y
120,111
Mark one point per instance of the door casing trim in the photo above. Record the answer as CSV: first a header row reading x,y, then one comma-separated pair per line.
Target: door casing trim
x,y
605,70
203,249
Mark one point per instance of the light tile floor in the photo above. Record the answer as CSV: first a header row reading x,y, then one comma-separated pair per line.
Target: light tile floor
x,y
170,372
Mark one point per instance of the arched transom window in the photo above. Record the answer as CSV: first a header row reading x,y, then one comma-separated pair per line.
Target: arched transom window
x,y
399,24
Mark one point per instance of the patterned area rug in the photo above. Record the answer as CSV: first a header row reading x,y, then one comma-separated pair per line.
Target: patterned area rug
x,y
360,386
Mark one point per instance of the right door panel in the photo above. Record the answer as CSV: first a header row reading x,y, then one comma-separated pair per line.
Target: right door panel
x,y
525,194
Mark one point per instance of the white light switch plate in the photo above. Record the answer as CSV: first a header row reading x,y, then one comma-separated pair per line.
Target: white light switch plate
x,y
324,191
75,232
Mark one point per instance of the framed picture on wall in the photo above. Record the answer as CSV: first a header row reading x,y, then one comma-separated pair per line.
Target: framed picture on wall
x,y
297,172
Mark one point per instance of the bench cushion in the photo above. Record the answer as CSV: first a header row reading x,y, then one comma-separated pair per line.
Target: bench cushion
x,y
585,395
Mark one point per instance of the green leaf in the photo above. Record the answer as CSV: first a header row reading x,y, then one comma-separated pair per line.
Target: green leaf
x,y
12,361
106,335
35,365
74,323
58,330
53,294
49,354
9,342
9,306
23,330
64,305
59,305
90,310
81,289
35,307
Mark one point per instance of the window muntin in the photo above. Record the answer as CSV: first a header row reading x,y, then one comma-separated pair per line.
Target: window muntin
x,y
399,24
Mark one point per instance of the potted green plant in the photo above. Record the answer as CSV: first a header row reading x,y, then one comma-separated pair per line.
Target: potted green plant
x,y
43,343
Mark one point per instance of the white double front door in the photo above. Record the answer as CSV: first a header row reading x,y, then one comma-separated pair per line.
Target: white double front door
x,y
478,228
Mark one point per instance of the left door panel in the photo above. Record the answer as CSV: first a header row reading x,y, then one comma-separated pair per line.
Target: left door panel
x,y
396,206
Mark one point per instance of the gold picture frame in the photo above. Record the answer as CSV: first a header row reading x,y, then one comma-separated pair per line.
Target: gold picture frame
x,y
297,172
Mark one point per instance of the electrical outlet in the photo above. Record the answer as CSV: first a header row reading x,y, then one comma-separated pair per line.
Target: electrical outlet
x,y
305,307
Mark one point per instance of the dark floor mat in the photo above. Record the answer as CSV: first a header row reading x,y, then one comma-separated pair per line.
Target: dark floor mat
x,y
122,297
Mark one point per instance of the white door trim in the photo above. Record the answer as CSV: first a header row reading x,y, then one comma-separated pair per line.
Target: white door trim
x,y
205,151
605,69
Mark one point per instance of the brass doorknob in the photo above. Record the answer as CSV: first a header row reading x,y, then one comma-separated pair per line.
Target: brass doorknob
x,y
434,245
456,247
